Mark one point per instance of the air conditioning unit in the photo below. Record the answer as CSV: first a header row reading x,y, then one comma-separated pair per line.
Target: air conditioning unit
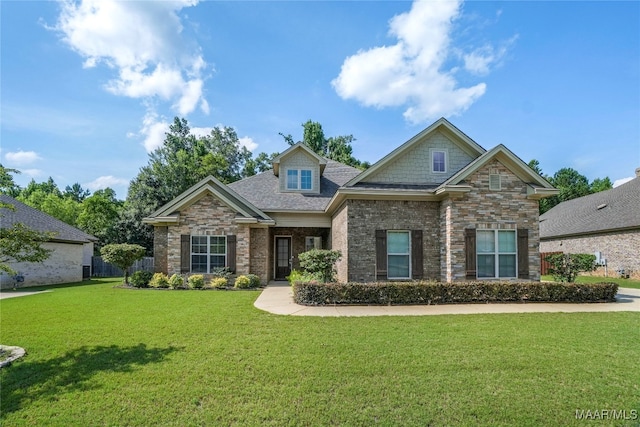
x,y
600,260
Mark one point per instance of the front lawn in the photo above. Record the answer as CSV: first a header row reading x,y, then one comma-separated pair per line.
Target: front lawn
x,y
623,283
99,355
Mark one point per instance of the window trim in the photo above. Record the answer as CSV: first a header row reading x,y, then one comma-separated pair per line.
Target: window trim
x,y
312,242
496,254
208,254
298,173
446,160
408,254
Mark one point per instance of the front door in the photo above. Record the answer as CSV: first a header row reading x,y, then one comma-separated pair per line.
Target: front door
x,y
283,257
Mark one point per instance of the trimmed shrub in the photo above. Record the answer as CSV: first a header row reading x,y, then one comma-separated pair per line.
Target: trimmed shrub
x,y
219,283
176,281
320,263
427,293
254,281
223,272
242,282
141,279
299,276
159,280
566,267
196,281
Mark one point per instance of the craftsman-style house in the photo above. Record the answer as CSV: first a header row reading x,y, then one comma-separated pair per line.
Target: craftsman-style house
x,y
437,207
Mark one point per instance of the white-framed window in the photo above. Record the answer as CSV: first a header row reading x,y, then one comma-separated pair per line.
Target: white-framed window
x,y
438,160
299,179
208,253
496,253
495,183
312,242
398,254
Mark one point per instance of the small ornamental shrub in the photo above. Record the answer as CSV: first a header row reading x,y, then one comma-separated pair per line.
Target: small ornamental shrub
x,y
159,280
196,281
176,281
320,263
219,283
223,272
242,282
141,279
566,267
254,281
299,276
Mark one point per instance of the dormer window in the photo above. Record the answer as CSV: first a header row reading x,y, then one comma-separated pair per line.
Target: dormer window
x,y
299,179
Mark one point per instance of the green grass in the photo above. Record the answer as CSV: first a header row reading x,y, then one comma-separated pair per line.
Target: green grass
x,y
99,355
623,283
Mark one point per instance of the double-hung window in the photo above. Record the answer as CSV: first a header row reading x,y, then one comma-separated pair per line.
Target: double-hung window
x,y
208,253
398,255
299,179
496,253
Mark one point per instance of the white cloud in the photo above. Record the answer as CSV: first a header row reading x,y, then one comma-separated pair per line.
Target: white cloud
x,y
20,158
103,182
411,72
248,142
32,173
153,130
621,181
142,41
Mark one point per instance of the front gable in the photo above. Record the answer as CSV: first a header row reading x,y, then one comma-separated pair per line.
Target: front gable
x,y
413,162
299,169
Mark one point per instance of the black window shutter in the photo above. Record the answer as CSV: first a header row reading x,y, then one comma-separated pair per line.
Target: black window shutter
x,y
381,254
417,268
185,253
523,253
470,253
231,253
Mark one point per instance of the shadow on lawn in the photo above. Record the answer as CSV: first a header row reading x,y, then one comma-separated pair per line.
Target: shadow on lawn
x,y
26,381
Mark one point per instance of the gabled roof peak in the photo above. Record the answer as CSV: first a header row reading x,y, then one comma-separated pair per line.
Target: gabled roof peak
x,y
298,146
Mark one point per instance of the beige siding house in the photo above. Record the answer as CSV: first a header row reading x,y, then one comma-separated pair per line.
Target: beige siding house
x,y
437,207
71,249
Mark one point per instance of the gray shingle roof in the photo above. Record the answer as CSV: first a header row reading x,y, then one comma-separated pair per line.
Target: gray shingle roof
x,y
40,221
262,189
618,208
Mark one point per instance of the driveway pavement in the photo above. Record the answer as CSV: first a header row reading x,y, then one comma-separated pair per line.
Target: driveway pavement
x,y
277,298
14,294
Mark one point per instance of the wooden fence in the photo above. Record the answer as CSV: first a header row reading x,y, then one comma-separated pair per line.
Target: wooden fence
x,y
544,265
101,268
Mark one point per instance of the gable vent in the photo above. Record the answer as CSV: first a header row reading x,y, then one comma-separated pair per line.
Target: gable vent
x,y
494,182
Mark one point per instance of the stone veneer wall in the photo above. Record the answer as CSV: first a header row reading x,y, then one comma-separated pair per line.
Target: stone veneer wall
x,y
620,249
364,217
482,208
160,249
339,241
259,253
208,216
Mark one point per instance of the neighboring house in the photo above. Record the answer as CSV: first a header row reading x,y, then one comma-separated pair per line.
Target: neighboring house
x,y
71,248
437,207
607,223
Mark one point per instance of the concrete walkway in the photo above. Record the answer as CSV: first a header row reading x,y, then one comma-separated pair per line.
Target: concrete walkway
x,y
277,298
14,294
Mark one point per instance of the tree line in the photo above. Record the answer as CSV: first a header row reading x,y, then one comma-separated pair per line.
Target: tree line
x,y
181,161
185,159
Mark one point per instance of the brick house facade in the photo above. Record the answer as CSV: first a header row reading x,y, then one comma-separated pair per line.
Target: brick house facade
x,y
438,207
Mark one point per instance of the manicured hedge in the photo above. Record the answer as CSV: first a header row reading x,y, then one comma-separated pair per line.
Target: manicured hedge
x,y
426,293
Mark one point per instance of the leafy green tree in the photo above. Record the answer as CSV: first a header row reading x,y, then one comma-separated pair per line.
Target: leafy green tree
x,y
20,243
7,185
598,185
52,203
122,255
336,148
76,192
99,215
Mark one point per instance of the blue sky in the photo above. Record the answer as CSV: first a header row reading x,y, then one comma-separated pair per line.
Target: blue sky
x,y
88,88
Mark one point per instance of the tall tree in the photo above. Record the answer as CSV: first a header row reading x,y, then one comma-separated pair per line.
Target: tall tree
x,y
336,148
99,215
76,192
7,185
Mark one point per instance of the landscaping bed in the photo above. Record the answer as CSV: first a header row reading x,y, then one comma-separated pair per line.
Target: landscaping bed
x,y
428,293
